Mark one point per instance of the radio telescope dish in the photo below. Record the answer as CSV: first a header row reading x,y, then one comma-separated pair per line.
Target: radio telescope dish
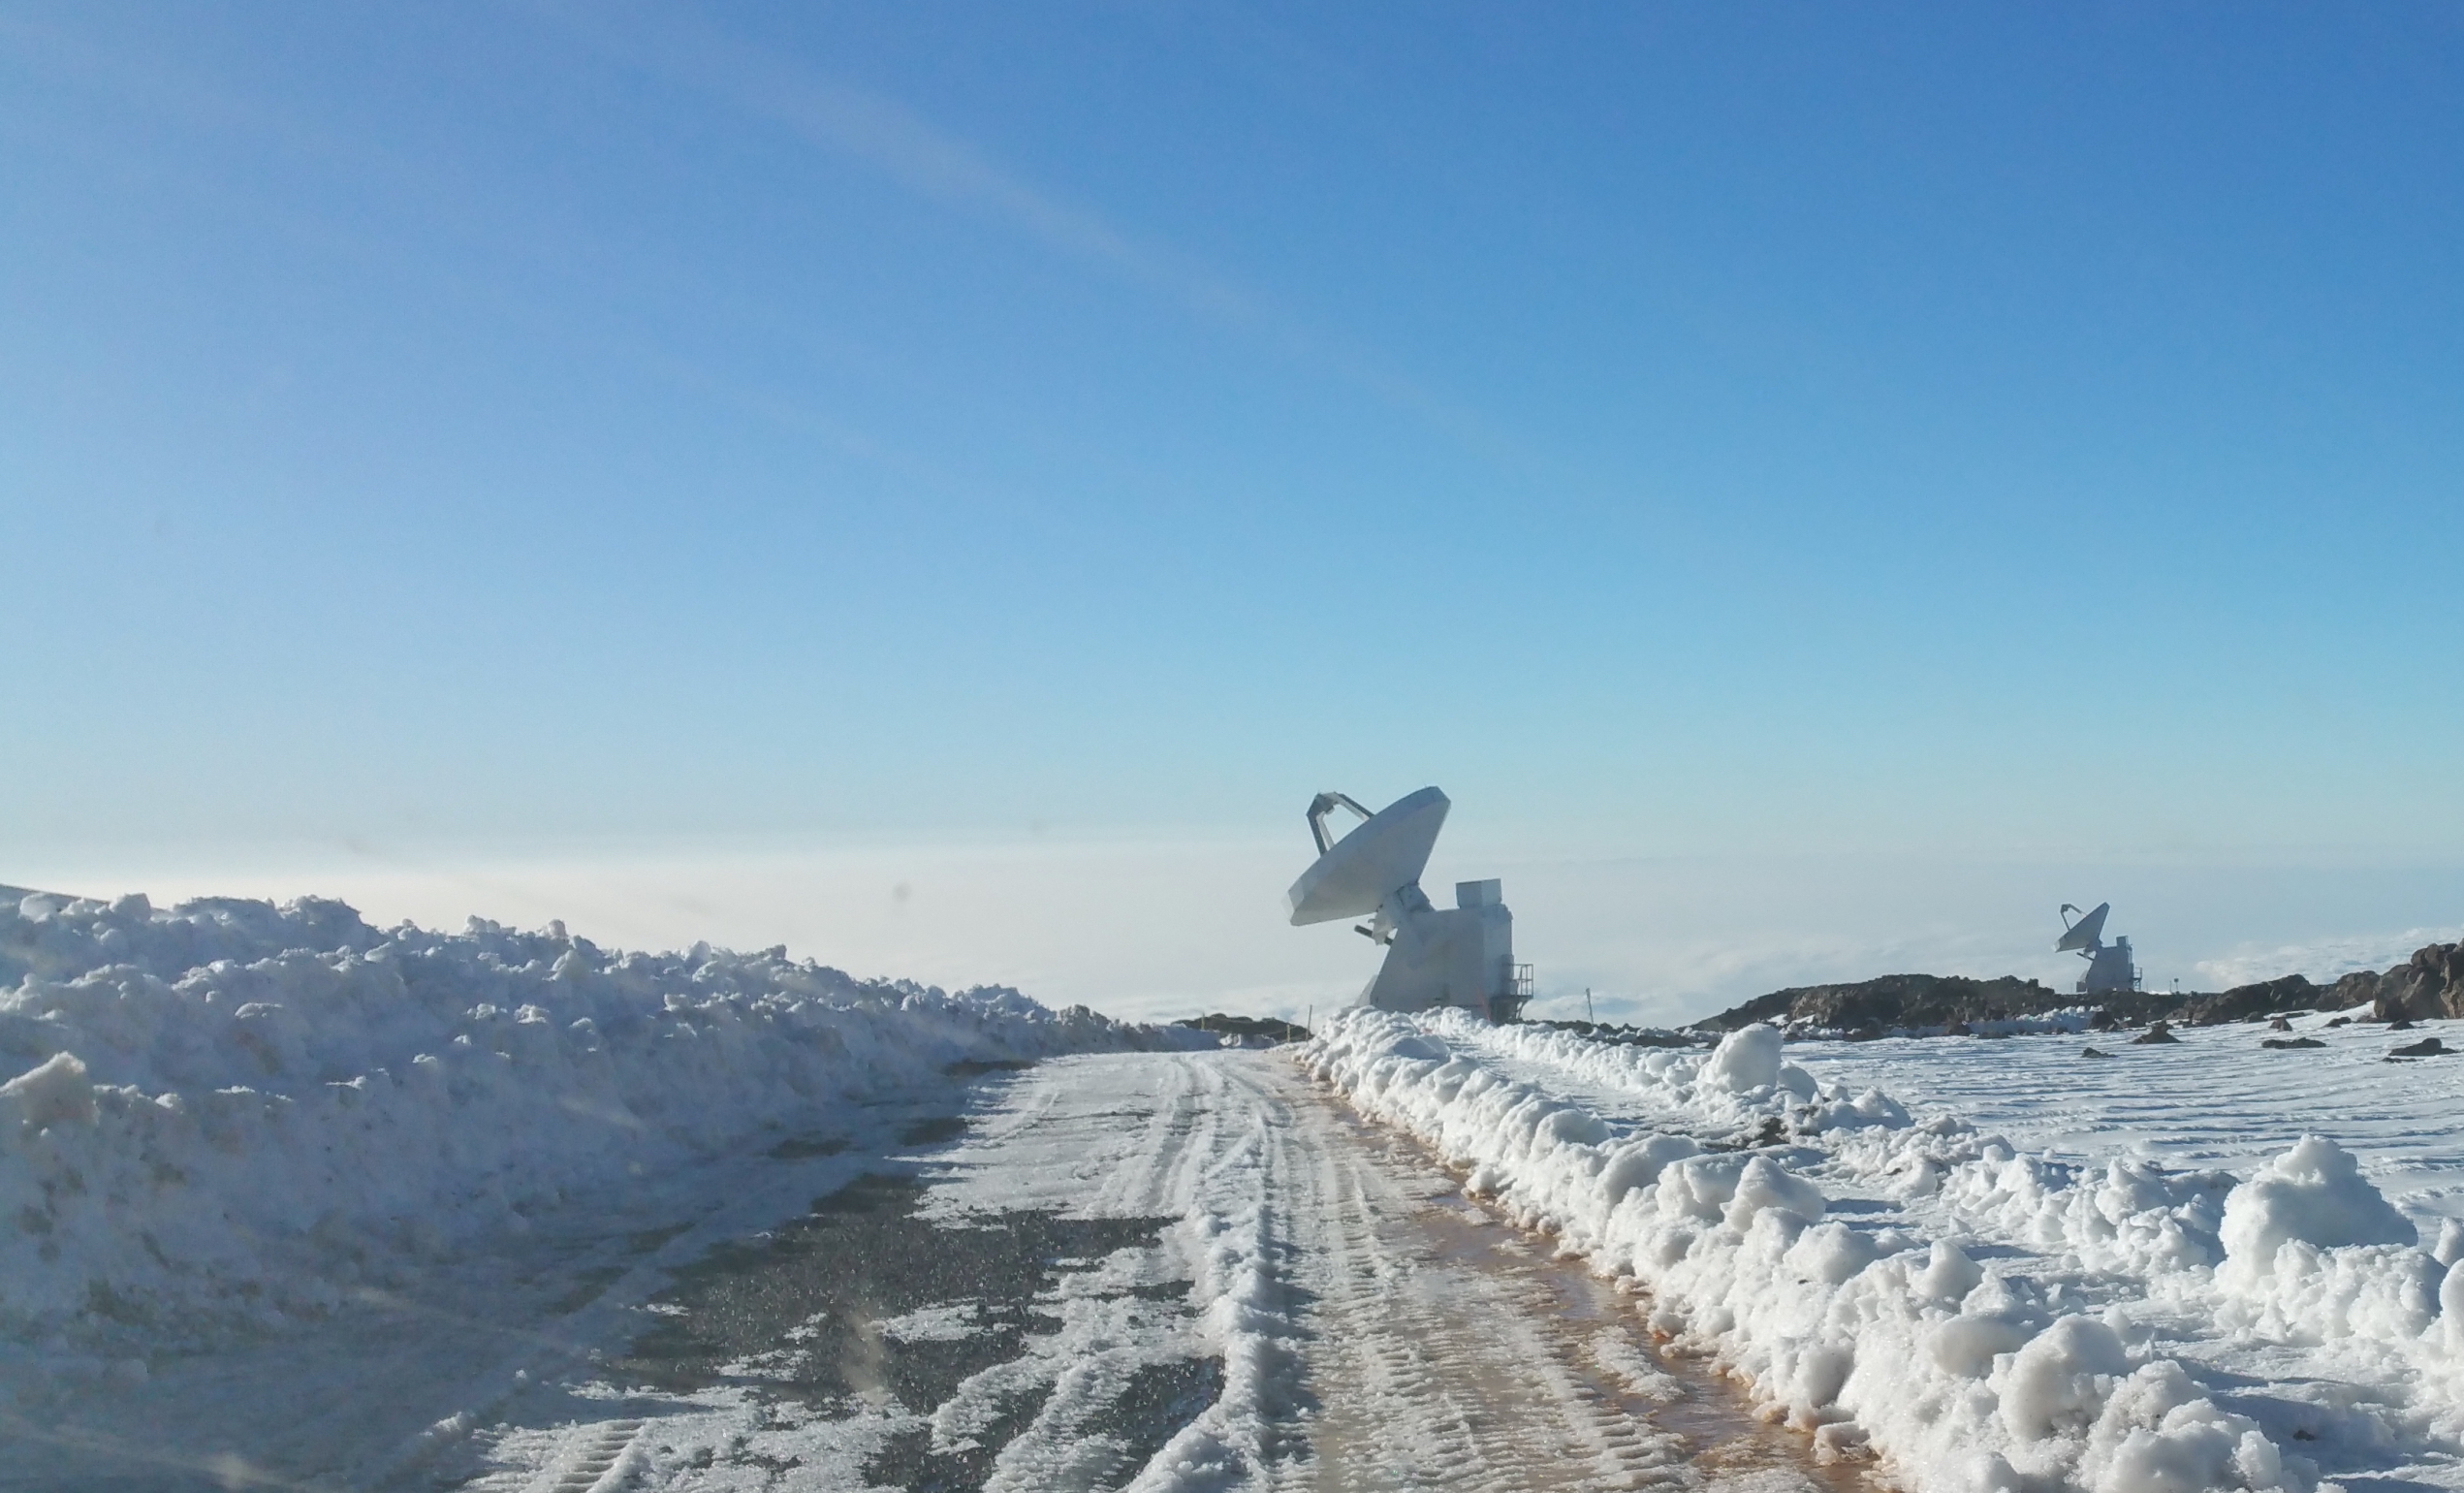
x,y
2109,969
2085,934
1359,871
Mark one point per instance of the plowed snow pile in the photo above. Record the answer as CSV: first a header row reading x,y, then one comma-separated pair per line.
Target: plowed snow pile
x,y
230,1112
1913,1290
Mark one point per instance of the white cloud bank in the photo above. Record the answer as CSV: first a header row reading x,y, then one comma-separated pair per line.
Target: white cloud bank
x,y
1163,929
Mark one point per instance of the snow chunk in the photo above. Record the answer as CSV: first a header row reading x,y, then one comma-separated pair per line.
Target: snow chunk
x,y
1966,1347
2059,1380
1950,1273
2313,1193
1699,1187
1746,1060
46,1095
1639,1164
1416,1049
1767,1186
2451,1307
2157,1435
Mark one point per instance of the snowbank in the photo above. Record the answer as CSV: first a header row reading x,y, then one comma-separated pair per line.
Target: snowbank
x,y
2313,1253
232,1111
1961,1370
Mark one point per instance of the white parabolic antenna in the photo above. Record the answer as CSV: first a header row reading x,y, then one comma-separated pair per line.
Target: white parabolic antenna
x,y
2109,970
1359,871
2086,933
1461,956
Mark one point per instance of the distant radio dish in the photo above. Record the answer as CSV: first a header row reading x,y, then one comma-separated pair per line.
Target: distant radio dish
x,y
1357,874
2109,970
2086,933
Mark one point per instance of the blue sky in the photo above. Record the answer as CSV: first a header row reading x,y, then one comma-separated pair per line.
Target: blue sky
x,y
1951,432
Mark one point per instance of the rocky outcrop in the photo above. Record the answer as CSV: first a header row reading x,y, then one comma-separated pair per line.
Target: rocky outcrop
x,y
1930,1002
1622,1034
1255,1029
1896,1000
2359,988
2430,984
2292,992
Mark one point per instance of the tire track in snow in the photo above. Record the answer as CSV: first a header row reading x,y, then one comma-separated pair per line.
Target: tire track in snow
x,y
1433,1351
1432,1365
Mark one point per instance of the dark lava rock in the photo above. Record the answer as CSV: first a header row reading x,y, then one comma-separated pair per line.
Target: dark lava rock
x,y
2427,1047
1626,1035
1921,1001
1249,1027
2280,1024
2292,992
2430,984
1772,1132
2282,1043
2094,1052
2340,1021
2400,1024
2161,1031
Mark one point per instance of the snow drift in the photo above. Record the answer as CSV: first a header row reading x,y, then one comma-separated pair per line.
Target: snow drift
x,y
232,1111
1914,1332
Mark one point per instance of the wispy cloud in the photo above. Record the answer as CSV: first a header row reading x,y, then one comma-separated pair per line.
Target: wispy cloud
x,y
892,140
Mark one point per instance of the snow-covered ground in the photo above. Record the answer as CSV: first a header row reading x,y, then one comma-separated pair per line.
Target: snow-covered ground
x,y
289,1199
2215,1098
2199,1287
230,1119
500,1210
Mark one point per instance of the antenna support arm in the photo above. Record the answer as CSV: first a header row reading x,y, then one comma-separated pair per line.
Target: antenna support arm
x,y
1322,806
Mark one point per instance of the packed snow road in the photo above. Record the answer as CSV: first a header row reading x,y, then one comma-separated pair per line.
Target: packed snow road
x,y
1227,1281
1156,1270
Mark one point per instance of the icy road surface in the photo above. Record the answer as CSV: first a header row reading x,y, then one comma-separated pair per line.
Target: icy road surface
x,y
1142,1270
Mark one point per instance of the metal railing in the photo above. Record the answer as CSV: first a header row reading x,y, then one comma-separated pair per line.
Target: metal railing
x,y
1508,1004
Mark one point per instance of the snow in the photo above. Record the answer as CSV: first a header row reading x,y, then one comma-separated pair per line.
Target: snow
x,y
55,1093
1745,1061
2312,1195
231,1115
233,1134
1903,1283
